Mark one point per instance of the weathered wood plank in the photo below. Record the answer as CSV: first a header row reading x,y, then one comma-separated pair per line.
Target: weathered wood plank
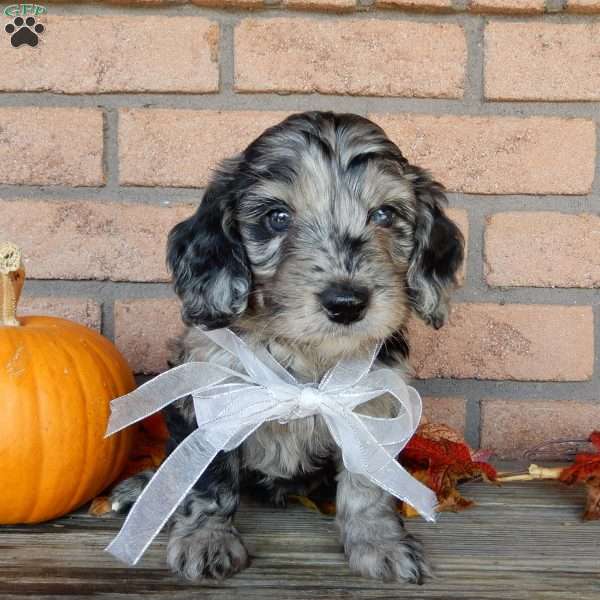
x,y
521,541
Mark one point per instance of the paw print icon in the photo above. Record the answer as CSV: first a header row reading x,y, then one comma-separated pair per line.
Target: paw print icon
x,y
24,31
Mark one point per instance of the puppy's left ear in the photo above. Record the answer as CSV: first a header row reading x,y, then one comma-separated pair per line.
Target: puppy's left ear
x,y
437,254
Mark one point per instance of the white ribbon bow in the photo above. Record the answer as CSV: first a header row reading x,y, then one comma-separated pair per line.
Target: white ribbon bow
x,y
230,406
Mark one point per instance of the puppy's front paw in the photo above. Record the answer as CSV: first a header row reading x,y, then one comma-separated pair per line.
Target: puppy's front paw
x,y
391,560
207,552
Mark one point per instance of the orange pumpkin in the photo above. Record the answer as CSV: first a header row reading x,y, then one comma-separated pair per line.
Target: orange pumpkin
x,y
56,381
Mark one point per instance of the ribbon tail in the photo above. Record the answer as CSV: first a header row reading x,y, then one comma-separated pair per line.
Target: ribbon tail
x,y
396,480
364,455
163,494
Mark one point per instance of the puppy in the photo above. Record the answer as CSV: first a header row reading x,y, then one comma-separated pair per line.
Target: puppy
x,y
316,241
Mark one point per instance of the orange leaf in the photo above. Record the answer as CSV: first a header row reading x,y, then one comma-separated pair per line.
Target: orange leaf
x,y
325,507
149,446
148,452
592,507
99,506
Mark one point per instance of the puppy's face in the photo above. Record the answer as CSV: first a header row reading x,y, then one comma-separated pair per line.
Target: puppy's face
x,y
329,245
320,232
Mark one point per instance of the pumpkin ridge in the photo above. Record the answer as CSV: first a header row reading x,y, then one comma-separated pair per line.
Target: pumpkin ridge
x,y
84,393
114,392
29,510
122,445
43,339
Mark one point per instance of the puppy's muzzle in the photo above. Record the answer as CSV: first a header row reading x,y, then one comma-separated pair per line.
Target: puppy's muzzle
x,y
345,303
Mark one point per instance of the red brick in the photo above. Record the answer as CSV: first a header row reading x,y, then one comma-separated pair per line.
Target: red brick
x,y
181,147
542,61
525,342
499,155
324,5
91,240
366,57
424,5
51,146
230,3
583,6
508,7
543,250
509,427
95,54
448,411
141,2
81,310
143,329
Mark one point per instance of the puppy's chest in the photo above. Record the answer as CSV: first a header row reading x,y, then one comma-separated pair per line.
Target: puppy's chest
x,y
286,450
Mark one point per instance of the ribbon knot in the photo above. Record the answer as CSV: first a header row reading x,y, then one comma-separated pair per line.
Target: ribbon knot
x,y
231,405
309,399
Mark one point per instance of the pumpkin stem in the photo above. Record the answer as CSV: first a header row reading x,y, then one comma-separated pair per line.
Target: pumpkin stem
x,y
12,278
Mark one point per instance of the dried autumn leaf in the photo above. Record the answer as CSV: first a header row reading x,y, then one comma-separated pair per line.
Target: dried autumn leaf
x,y
325,507
148,452
99,506
592,506
438,432
438,457
149,446
586,470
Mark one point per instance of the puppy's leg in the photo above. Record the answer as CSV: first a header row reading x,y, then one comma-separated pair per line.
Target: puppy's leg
x,y
123,496
373,535
202,539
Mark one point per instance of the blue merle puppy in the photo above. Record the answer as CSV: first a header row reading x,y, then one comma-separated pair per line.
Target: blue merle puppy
x,y
317,241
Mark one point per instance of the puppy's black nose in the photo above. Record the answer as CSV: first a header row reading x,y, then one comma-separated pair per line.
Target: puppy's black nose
x,y
345,303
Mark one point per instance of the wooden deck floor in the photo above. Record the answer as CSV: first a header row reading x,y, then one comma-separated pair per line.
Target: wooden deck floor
x,y
521,541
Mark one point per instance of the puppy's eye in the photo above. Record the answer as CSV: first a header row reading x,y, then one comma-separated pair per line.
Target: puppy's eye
x,y
279,220
384,216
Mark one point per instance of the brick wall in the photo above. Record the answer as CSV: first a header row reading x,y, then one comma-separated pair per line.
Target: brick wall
x,y
109,129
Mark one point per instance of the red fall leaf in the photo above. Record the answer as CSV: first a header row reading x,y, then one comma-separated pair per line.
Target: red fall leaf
x,y
439,458
586,470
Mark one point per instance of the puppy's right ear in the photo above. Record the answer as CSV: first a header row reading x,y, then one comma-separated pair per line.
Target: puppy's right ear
x,y
205,254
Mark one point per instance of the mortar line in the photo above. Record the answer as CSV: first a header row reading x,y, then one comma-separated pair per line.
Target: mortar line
x,y
585,391
473,422
272,101
466,294
162,195
460,5
474,30
490,204
596,375
226,60
101,290
595,192
475,265
108,318
111,149
122,194
555,6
